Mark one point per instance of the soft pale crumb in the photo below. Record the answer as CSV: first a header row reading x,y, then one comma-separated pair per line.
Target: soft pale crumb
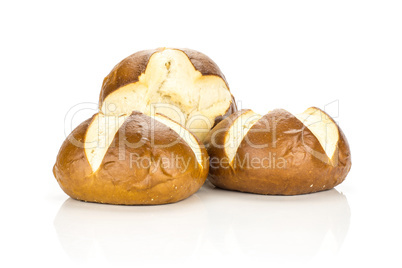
x,y
325,130
173,87
237,131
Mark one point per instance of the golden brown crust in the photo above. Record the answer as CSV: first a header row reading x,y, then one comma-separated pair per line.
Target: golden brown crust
x,y
203,64
138,168
125,72
275,157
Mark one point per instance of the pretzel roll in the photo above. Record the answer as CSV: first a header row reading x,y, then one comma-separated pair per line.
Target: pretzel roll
x,y
278,153
131,160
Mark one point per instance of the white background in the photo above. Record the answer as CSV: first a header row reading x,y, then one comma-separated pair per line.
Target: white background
x,y
275,54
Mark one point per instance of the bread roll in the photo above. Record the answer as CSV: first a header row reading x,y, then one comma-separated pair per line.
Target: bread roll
x,y
182,84
131,160
278,153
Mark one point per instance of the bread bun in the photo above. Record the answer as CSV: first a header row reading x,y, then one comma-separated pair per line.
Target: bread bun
x,y
135,159
182,84
278,153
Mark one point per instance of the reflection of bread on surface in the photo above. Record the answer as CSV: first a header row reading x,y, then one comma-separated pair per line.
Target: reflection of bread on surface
x,y
124,233
276,227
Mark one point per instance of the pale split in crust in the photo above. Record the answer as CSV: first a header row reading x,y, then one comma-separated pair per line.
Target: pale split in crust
x,y
238,130
323,127
172,86
99,137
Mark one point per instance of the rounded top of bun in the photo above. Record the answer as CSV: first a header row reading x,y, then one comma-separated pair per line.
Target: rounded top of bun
x,y
183,84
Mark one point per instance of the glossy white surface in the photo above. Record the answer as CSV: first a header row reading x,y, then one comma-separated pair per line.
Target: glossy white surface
x,y
341,56
212,222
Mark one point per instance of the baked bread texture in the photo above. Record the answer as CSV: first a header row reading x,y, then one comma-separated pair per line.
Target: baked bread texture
x,y
183,84
131,160
278,153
